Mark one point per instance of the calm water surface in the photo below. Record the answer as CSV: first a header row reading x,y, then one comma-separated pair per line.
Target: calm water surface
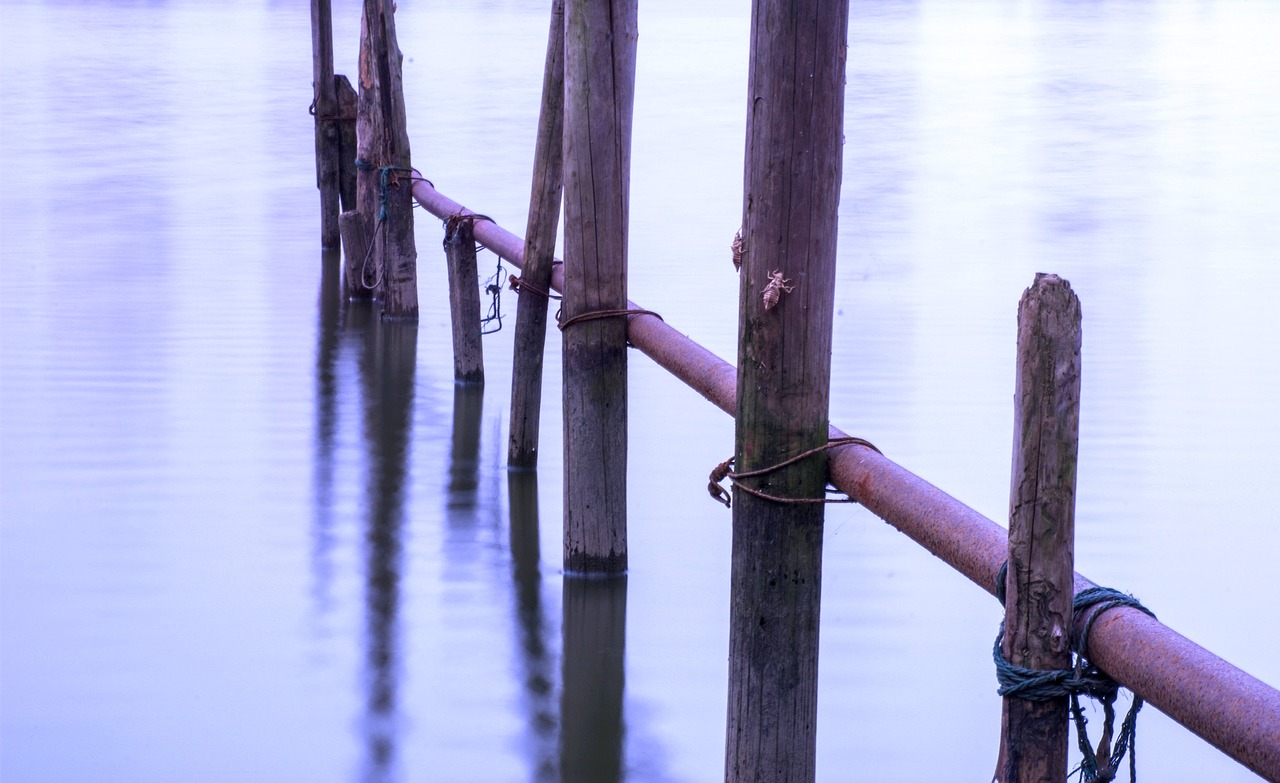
x,y
250,533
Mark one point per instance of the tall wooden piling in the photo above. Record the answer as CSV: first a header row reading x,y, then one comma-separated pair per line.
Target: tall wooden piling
x,y
325,108
600,60
793,168
348,102
539,252
356,254
1039,584
464,299
384,182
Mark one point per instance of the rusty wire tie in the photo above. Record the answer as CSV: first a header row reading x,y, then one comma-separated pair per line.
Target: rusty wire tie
x,y
454,222
725,471
520,285
591,316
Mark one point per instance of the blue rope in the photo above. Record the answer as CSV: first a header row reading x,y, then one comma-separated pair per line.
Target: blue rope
x,y
1084,678
384,176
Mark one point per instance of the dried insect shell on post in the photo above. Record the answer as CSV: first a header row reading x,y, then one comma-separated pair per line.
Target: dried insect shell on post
x,y
775,289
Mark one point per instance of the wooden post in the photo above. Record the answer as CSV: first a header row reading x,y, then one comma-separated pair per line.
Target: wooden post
x,y
539,252
368,265
1039,585
793,169
347,103
384,174
356,254
325,107
464,451
464,300
600,59
595,637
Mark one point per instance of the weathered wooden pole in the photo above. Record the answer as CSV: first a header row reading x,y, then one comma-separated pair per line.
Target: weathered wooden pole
x,y
348,101
600,60
363,264
352,225
384,182
1040,580
356,253
795,121
539,254
464,299
325,108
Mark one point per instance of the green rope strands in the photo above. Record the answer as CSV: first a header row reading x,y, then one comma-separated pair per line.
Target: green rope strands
x,y
384,174
1097,766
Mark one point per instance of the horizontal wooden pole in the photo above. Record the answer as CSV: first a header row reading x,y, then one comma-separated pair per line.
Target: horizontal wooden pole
x,y
1222,704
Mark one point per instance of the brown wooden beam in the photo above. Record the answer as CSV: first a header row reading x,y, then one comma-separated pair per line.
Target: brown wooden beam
x,y
1038,593
600,63
539,253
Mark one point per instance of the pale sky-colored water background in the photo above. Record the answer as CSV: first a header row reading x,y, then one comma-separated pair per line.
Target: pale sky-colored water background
x,y
224,556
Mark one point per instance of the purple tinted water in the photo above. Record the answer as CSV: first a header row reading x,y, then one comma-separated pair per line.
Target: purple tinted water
x,y
247,533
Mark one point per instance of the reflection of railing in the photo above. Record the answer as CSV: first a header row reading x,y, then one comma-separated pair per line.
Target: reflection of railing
x,y
1227,707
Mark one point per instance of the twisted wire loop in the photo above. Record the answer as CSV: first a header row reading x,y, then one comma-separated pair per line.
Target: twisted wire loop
x,y
520,285
455,222
725,471
492,286
596,314
1083,679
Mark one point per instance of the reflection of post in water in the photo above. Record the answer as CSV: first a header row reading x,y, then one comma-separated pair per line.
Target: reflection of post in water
x,y
327,349
464,452
595,623
522,489
387,372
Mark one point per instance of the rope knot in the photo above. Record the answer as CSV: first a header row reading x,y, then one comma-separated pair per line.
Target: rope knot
x,y
1084,678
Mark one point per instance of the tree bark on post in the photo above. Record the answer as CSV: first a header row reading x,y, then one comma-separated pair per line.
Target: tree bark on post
x,y
1039,587
348,101
600,60
464,300
795,126
539,252
351,225
356,254
365,261
384,182
325,108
